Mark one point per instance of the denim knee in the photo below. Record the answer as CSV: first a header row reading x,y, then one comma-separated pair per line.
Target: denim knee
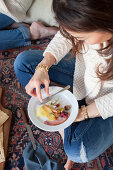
x,y
21,69
18,62
86,141
21,59
74,144
76,152
25,65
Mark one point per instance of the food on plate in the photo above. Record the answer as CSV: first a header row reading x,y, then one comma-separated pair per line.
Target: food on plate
x,y
45,111
54,112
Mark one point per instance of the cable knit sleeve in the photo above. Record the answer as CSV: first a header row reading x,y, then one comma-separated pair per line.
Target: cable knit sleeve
x,y
58,47
105,105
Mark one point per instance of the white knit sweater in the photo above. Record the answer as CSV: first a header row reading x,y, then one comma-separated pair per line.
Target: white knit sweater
x,y
86,84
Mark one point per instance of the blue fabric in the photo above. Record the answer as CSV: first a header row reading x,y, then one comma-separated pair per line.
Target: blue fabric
x,y
13,37
5,21
94,135
38,160
27,61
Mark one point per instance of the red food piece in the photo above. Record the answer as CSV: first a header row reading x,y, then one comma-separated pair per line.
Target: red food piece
x,y
64,114
58,105
67,107
56,122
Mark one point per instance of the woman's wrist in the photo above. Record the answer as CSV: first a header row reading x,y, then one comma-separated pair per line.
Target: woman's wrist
x,y
82,114
42,66
92,110
46,63
48,60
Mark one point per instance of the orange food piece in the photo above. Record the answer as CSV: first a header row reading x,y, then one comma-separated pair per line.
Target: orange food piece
x,y
46,111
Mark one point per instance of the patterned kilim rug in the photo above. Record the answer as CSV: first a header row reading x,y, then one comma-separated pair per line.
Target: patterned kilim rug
x,y
14,97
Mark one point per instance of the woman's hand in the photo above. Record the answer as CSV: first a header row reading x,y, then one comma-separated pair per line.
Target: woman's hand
x,y
40,77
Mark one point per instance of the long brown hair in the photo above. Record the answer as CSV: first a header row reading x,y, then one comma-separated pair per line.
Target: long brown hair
x,y
87,16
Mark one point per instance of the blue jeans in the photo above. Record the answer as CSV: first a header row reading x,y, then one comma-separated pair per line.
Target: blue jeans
x,y
83,141
27,61
13,37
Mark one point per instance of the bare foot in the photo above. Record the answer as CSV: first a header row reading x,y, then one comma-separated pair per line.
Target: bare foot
x,y
38,31
69,164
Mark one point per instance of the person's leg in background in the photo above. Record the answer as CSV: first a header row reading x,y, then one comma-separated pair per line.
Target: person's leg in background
x,y
5,21
20,34
11,38
27,61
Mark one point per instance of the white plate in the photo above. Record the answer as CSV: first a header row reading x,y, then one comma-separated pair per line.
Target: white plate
x,y
65,98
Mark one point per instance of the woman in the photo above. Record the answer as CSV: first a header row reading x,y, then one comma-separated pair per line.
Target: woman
x,y
14,34
86,27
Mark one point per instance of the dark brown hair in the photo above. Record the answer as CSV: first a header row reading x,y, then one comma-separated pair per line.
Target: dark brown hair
x,y
87,16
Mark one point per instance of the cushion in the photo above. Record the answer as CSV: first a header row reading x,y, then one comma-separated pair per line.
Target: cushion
x,y
41,10
15,9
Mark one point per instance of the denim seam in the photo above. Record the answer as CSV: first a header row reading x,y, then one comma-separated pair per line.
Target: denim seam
x,y
26,34
26,66
83,132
